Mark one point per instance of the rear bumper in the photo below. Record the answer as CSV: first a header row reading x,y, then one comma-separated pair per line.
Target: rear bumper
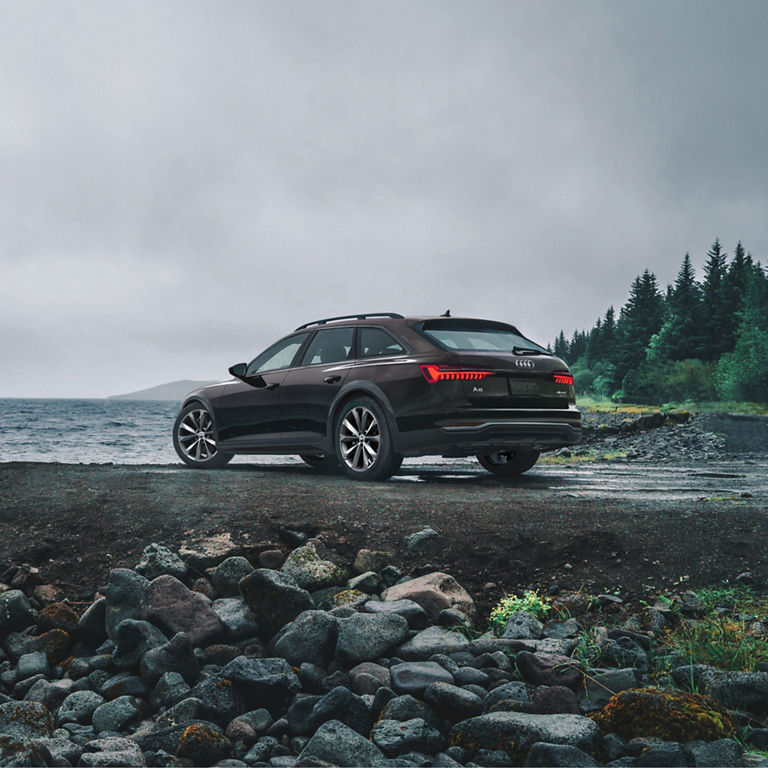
x,y
468,436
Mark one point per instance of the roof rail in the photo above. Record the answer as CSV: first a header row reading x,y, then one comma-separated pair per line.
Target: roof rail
x,y
351,317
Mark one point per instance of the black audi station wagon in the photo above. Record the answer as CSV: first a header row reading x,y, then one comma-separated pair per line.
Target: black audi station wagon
x,y
361,392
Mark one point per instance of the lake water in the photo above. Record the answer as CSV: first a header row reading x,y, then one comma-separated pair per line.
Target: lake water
x,y
94,431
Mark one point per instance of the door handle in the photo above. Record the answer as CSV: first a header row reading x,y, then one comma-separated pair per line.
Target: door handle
x,y
270,387
331,379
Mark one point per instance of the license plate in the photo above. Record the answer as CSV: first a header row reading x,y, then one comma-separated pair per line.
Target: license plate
x,y
520,386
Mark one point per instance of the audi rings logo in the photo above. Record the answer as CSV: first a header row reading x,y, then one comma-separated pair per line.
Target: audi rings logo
x,y
524,363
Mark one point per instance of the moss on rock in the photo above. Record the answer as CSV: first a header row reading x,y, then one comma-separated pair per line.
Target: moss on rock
x,y
668,715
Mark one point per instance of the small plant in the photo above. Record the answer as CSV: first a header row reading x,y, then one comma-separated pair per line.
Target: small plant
x,y
531,601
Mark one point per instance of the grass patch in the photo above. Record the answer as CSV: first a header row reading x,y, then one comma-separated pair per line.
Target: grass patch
x,y
586,403
530,601
722,637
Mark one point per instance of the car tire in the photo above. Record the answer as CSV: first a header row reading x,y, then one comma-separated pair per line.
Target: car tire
x,y
363,441
508,463
319,462
193,438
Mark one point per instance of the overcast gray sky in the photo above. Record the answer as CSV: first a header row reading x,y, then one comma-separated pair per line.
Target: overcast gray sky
x,y
183,182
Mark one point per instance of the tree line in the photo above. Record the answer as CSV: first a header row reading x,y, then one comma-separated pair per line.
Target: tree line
x,y
697,340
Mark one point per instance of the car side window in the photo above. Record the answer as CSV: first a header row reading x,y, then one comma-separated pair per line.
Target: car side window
x,y
330,345
279,355
376,342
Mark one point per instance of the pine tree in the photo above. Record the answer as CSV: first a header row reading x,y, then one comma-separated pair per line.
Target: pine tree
x,y
561,347
713,304
683,336
734,291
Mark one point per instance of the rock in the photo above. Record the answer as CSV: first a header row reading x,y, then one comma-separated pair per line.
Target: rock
x,y
716,753
371,560
220,700
15,611
414,614
413,677
133,638
58,616
364,637
176,655
112,751
310,637
124,595
275,598
175,608
406,707
548,669
421,541
55,644
672,716
543,754
237,617
92,624
170,689
512,691
123,684
433,592
741,690
266,682
56,749
517,732
342,705
451,702
431,641
31,664
183,712
554,700
25,719
672,754
118,714
394,738
694,677
157,560
601,684
228,574
271,558
209,552
203,744
623,652
78,707
310,571
522,625
338,744
368,582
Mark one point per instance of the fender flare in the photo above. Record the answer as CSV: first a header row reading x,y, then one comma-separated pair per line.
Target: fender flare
x,y
361,387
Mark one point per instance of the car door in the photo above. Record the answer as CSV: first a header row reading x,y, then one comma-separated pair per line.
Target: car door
x,y
248,410
309,389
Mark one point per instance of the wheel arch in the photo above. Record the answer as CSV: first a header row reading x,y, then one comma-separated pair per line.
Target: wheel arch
x,y
198,399
361,389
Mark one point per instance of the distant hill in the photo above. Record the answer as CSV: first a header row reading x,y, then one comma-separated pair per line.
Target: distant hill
x,y
173,390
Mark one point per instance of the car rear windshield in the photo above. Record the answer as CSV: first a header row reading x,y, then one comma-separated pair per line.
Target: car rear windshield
x,y
479,335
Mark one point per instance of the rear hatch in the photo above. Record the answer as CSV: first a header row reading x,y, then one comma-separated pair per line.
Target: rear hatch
x,y
516,381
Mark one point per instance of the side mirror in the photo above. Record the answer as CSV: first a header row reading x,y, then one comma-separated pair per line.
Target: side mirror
x,y
240,371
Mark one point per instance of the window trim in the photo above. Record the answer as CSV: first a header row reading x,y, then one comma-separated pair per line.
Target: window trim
x,y
358,348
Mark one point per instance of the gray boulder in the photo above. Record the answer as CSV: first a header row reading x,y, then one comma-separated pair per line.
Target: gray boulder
x,y
498,730
716,753
512,691
133,638
522,625
157,560
430,641
177,655
310,637
453,703
338,744
78,707
266,682
237,617
310,571
601,684
15,611
275,599
117,714
228,575
25,719
394,737
367,636
413,677
543,755
124,593
741,690
415,615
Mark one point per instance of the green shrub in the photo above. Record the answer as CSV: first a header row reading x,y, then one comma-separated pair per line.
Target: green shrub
x,y
531,601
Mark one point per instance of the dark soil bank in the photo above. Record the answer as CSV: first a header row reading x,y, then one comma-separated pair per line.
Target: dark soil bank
x,y
601,526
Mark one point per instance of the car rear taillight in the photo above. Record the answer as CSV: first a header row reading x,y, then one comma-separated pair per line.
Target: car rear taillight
x,y
562,377
434,373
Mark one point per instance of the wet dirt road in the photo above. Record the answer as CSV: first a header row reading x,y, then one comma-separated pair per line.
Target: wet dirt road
x,y
629,527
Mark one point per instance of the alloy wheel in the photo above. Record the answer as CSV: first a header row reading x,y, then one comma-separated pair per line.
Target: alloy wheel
x,y
195,435
359,438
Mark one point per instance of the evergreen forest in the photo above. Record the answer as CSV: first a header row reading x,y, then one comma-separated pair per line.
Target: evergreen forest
x,y
699,339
